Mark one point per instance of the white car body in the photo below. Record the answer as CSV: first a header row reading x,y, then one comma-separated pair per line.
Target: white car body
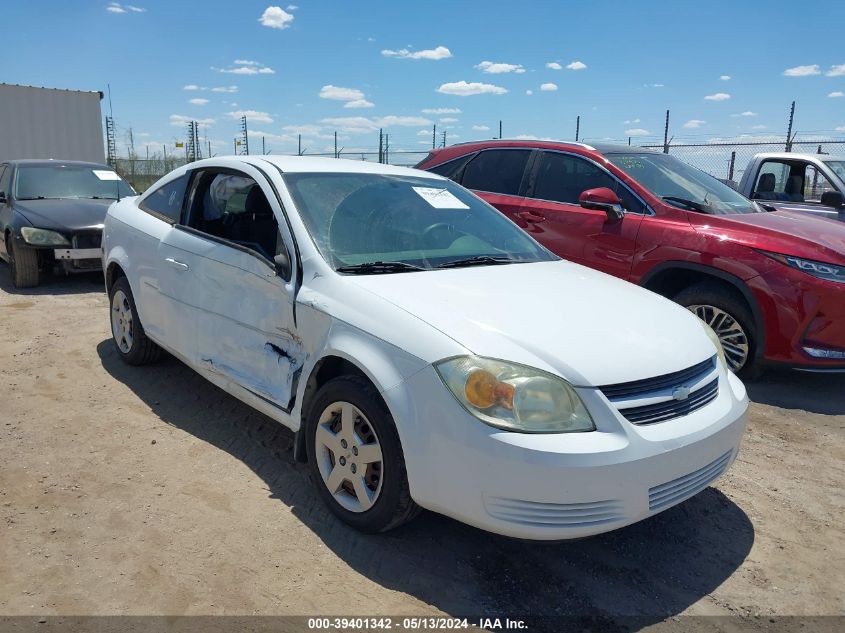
x,y
229,316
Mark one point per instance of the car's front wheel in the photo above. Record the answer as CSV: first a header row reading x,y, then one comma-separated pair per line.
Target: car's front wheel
x,y
356,458
23,264
130,340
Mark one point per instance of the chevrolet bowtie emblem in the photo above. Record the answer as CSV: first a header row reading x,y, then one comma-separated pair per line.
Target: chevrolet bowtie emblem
x,y
681,393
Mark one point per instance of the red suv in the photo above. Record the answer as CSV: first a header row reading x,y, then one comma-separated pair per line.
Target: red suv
x,y
770,283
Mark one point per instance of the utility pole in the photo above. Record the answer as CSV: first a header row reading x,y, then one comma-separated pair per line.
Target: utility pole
x,y
209,148
666,135
789,129
577,127
434,136
500,133
263,151
111,145
386,148
444,138
380,146
244,136
335,144
299,145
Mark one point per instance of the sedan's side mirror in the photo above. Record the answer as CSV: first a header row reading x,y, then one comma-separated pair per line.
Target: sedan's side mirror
x,y
282,263
603,199
833,199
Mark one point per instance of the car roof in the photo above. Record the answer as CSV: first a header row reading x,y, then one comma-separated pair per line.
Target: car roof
x,y
602,148
301,164
46,162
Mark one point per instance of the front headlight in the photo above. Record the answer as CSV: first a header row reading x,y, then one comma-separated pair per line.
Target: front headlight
x,y
720,350
514,397
828,272
43,237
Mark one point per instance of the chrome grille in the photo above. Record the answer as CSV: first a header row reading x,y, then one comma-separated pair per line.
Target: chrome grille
x,y
675,491
665,395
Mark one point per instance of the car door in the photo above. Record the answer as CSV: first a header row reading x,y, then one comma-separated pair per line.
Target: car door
x,y
560,223
5,204
793,185
246,331
497,176
164,259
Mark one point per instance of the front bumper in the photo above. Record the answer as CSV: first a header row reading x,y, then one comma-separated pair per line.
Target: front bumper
x,y
560,486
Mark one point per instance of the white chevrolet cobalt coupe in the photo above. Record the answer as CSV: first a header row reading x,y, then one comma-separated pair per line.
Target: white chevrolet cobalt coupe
x,y
426,351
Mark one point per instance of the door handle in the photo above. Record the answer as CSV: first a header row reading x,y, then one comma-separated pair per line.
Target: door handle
x,y
528,216
177,264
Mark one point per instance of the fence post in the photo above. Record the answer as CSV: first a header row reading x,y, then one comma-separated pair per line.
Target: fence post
x,y
731,168
666,134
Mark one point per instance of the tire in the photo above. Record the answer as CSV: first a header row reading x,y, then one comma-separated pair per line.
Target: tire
x,y
725,310
23,264
385,485
131,342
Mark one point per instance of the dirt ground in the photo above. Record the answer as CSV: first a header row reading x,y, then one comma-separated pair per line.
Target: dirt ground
x,y
150,491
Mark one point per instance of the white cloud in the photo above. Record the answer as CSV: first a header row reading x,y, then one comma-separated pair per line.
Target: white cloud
x,y
529,92
480,128
464,89
116,7
836,71
359,103
191,87
250,68
758,127
135,9
229,89
441,110
337,93
275,18
292,7
841,128
181,120
725,77
630,121
657,85
576,65
423,132
246,62
496,68
637,131
803,71
747,113
548,87
441,52
719,96
448,119
305,130
362,125
837,93
553,65
694,123
253,116
526,137
389,120
198,101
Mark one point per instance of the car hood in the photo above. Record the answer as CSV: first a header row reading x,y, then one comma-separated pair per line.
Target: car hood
x,y
787,232
64,214
588,327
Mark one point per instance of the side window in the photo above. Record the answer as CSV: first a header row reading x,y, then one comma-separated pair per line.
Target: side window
x,y
772,181
233,207
815,184
166,201
5,179
563,177
497,171
452,169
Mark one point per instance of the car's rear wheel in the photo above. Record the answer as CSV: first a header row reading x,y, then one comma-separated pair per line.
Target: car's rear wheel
x,y
356,458
23,264
130,340
726,312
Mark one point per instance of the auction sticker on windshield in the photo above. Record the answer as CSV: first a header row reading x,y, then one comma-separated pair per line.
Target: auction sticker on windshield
x,y
105,174
440,198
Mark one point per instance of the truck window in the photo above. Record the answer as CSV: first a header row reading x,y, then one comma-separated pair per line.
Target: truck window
x,y
815,184
772,181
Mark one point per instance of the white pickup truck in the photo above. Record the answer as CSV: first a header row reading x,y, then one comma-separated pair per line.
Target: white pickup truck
x,y
812,183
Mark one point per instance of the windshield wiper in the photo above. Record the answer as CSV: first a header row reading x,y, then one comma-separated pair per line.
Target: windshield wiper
x,y
690,204
376,268
478,260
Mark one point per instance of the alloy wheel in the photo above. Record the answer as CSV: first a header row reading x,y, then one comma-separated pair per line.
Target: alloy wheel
x,y
730,332
349,456
121,321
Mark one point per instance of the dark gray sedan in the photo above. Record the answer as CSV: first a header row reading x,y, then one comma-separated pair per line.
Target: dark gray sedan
x,y
51,216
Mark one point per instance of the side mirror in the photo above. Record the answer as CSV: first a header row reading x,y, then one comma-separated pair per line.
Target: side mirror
x,y
603,199
833,199
282,263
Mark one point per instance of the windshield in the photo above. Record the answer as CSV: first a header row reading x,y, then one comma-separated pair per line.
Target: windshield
x,y
404,223
838,167
681,185
34,182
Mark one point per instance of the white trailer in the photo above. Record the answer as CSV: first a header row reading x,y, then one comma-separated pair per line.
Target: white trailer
x,y
50,123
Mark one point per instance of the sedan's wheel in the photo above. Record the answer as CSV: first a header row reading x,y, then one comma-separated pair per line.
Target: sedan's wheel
x,y
349,456
23,264
730,332
724,309
130,340
355,456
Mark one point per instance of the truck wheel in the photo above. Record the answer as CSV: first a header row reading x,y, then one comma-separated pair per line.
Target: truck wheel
x,y
132,344
355,456
724,310
23,264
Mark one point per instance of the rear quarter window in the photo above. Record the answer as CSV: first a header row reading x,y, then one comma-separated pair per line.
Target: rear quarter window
x,y
166,202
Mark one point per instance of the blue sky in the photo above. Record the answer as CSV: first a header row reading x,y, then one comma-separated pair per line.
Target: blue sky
x,y
723,68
